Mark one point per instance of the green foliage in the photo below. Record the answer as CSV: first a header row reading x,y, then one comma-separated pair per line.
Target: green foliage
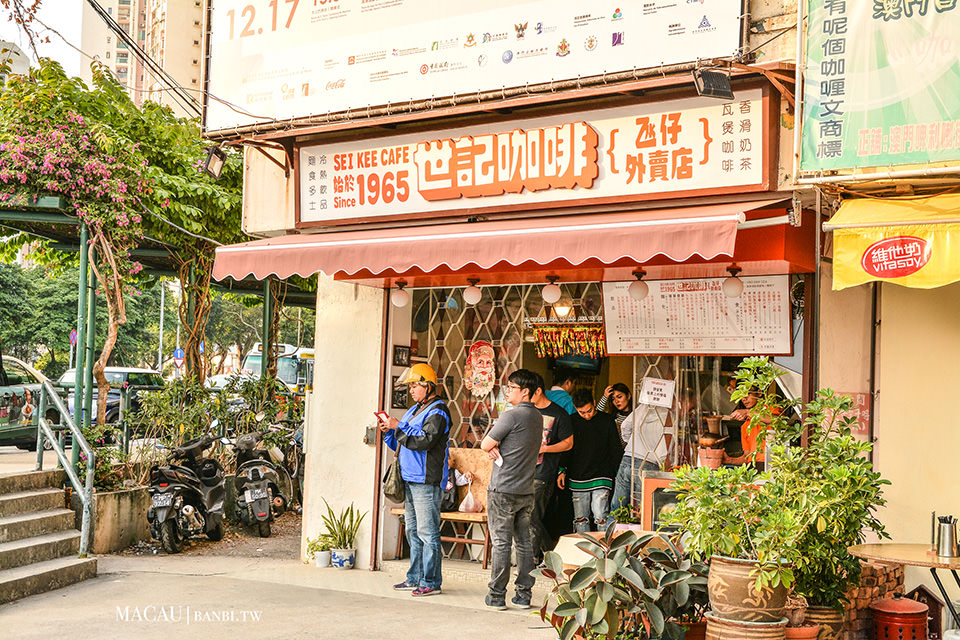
x,y
181,411
342,528
626,515
110,465
628,589
318,544
799,517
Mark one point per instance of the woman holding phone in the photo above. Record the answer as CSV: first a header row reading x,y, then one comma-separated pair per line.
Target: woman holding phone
x,y
422,438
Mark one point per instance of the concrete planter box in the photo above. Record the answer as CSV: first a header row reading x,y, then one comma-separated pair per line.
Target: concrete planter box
x,y
119,518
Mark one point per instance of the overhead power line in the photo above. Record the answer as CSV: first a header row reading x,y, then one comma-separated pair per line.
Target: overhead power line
x,y
177,92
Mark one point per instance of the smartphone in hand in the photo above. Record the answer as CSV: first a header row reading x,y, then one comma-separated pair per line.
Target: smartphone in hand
x,y
382,416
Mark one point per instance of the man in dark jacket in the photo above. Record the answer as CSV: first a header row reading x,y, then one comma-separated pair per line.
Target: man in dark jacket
x,y
422,435
592,463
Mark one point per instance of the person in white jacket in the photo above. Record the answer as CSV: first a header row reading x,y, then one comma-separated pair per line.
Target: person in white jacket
x,y
646,432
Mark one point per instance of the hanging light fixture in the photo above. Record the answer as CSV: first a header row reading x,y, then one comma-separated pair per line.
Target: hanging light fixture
x,y
472,294
214,162
398,296
638,290
563,306
551,292
732,285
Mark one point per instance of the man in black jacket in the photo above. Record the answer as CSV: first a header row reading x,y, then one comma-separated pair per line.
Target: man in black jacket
x,y
592,463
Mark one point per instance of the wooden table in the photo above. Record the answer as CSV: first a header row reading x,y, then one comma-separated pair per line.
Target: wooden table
x,y
914,555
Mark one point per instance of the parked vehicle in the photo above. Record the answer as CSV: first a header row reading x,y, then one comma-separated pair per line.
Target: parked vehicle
x,y
117,377
294,366
262,487
187,499
19,399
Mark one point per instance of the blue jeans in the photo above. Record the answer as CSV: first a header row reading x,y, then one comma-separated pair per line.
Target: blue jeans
x,y
621,487
508,517
422,522
595,502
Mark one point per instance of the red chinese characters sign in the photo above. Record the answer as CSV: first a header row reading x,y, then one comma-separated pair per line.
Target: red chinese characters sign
x,y
895,257
651,150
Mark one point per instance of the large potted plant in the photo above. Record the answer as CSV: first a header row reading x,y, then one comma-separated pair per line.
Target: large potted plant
x,y
342,534
632,587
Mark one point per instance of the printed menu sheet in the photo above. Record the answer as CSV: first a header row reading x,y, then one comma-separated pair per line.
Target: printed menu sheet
x,y
695,317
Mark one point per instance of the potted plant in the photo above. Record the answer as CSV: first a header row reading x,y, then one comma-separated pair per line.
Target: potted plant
x,y
633,587
627,517
342,534
797,627
318,548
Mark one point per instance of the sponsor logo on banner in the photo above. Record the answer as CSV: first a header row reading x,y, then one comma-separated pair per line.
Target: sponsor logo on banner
x,y
542,29
482,60
617,14
561,157
507,56
351,59
493,37
704,26
563,49
617,39
521,29
336,84
896,257
590,43
470,41
424,69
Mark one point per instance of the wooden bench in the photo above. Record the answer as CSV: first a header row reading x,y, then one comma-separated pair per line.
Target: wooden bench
x,y
474,461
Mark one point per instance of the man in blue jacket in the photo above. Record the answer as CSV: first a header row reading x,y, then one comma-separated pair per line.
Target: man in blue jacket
x,y
422,435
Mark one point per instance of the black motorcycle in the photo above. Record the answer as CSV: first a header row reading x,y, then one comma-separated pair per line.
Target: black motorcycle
x,y
188,498
262,486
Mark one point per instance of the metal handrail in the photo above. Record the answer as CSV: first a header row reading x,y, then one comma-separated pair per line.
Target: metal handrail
x,y
84,490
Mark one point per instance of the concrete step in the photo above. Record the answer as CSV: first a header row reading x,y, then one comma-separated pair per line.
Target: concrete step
x,y
41,577
48,546
27,525
30,500
13,482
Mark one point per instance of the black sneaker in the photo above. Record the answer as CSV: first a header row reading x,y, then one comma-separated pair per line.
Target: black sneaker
x,y
495,602
404,586
521,601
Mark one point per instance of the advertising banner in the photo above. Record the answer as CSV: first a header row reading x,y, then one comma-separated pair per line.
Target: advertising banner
x,y
881,84
610,155
695,317
294,58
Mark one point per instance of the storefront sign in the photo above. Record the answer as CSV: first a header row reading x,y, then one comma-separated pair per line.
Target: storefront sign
x,y
286,59
895,257
656,149
695,317
656,392
882,80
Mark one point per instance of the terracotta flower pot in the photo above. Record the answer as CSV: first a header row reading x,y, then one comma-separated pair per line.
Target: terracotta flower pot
x,y
808,631
734,595
694,630
721,629
711,458
830,621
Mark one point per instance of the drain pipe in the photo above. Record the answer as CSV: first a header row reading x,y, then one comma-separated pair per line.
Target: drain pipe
x,y
874,392
377,533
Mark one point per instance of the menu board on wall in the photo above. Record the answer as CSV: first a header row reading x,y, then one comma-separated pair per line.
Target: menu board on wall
x,y
695,317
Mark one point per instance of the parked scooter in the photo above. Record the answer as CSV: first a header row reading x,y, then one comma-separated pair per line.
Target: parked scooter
x,y
188,498
260,484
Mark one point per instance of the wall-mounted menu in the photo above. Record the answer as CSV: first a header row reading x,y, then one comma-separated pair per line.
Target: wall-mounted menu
x,y
695,317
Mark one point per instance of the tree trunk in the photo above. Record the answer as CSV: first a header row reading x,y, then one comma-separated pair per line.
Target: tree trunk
x,y
195,301
110,281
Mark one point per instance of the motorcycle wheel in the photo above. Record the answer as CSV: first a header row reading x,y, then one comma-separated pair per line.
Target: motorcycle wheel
x,y
263,528
170,538
216,534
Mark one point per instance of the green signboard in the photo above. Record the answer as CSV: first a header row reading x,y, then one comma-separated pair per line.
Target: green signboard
x,y
881,84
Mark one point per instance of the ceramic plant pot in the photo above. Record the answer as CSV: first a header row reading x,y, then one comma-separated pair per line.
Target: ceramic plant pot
x,y
322,559
721,629
711,458
807,631
830,621
343,558
734,595
694,630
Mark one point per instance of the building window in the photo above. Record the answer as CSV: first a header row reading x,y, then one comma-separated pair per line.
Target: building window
x,y
196,43
195,61
108,55
109,39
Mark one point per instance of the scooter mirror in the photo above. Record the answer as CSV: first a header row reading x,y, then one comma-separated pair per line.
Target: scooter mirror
x,y
225,440
260,415
214,425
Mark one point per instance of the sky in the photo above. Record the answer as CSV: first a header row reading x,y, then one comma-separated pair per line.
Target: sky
x,y
61,15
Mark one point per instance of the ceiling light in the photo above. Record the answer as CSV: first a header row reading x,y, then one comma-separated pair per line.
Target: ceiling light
x,y
398,296
551,292
712,84
732,285
638,290
472,294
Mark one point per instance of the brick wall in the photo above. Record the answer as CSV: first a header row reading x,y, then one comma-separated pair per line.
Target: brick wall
x,y
876,581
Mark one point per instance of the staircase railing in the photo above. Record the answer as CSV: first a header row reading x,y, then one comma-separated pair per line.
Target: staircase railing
x,y
48,394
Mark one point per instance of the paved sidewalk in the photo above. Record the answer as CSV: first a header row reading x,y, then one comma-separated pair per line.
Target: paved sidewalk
x,y
154,597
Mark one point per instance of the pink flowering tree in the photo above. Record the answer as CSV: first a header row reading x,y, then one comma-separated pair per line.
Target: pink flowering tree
x,y
64,156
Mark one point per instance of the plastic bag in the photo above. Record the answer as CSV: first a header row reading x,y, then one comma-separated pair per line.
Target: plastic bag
x,y
469,503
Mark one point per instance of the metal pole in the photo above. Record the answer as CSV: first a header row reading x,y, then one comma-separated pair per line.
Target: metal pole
x,y
163,295
267,316
178,348
88,364
42,409
81,335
